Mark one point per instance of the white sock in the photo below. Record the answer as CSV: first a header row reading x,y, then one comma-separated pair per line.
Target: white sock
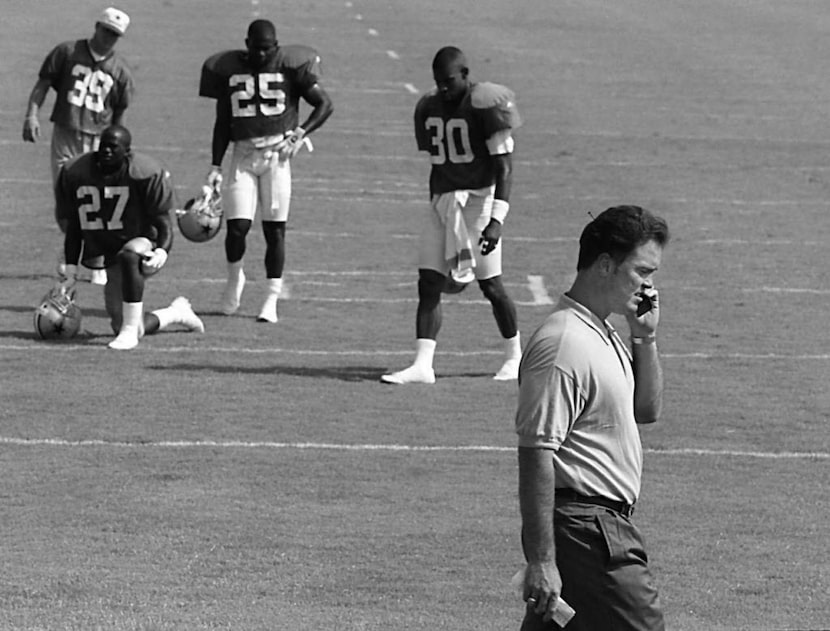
x,y
513,347
424,352
234,270
275,286
165,316
132,314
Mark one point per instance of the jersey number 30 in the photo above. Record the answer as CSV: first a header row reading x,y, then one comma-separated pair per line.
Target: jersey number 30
x,y
271,99
451,140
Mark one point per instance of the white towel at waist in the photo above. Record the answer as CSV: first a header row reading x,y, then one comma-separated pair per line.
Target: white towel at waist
x,y
458,249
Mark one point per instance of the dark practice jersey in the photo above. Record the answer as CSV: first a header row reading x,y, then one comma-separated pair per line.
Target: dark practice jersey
x,y
112,209
266,101
455,135
87,91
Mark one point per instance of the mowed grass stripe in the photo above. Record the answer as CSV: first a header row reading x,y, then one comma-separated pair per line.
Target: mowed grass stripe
x,y
367,447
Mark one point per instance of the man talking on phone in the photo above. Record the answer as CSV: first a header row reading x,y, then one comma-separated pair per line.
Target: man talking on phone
x,y
582,393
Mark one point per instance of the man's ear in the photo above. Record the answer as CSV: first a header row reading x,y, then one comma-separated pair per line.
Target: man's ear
x,y
605,264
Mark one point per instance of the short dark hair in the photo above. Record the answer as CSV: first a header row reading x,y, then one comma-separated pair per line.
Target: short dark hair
x,y
262,29
618,231
447,56
121,135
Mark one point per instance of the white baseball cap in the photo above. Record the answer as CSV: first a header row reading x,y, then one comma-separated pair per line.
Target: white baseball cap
x,y
115,20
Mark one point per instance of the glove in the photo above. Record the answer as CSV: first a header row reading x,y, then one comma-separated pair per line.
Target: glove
x,y
490,237
214,178
292,143
68,278
155,260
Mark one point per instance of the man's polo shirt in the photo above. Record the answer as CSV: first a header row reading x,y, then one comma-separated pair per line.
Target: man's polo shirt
x,y
576,398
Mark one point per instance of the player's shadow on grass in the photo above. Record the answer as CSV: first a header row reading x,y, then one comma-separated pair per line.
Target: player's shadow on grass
x,y
340,373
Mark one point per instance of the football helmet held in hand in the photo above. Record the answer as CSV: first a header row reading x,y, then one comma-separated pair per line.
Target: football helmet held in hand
x,y
201,218
57,317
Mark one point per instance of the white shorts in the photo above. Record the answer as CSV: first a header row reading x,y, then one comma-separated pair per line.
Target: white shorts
x,y
68,143
431,253
257,178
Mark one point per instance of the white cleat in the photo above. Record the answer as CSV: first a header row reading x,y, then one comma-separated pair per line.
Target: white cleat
x,y
268,313
126,340
98,277
509,371
232,295
186,316
413,374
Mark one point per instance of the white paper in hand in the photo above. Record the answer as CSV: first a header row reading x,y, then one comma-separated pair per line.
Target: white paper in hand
x,y
563,612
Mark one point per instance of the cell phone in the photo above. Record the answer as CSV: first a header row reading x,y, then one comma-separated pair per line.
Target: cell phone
x,y
645,305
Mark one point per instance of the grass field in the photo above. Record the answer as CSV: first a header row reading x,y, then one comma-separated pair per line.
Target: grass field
x,y
259,477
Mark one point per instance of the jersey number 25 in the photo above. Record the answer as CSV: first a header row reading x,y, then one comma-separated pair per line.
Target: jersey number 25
x,y
271,99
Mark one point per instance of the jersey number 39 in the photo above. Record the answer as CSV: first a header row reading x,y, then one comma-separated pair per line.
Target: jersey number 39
x,y
90,89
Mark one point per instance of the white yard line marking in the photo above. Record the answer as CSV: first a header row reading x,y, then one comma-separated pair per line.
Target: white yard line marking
x,y
148,347
242,444
536,284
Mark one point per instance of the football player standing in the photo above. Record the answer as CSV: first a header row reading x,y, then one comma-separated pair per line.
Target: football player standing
x,y
93,86
257,93
466,128
116,204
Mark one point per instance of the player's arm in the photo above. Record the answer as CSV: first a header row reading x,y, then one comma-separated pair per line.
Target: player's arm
x,y
70,222
219,144
164,231
118,115
31,124
221,131
323,106
503,172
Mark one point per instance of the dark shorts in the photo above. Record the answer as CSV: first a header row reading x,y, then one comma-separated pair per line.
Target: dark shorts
x,y
604,570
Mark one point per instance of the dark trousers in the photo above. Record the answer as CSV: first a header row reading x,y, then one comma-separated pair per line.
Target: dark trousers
x,y
604,570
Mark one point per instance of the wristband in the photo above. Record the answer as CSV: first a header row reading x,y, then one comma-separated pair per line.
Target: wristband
x,y
648,339
499,210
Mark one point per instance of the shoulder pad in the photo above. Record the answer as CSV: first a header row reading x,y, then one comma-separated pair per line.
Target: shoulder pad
x,y
296,55
486,95
143,166
496,104
215,63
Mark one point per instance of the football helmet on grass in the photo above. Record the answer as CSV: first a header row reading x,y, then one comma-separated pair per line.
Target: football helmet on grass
x,y
57,317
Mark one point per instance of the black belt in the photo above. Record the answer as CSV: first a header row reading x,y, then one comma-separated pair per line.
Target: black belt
x,y
569,495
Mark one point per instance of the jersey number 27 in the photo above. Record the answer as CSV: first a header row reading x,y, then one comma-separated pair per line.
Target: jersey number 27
x,y
89,212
